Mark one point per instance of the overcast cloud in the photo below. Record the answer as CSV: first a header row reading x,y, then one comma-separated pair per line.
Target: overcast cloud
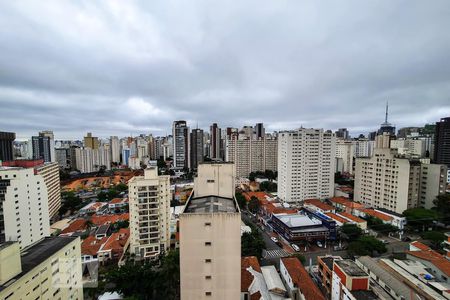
x,y
129,67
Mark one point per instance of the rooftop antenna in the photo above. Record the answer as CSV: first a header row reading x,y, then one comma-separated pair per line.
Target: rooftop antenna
x,y
387,111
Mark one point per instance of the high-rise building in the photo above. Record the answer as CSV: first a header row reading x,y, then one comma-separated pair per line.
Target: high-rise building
x,y
196,148
48,269
23,206
41,147
442,142
51,137
210,237
114,146
63,157
306,164
390,181
6,145
252,155
181,143
363,147
91,141
90,160
149,201
215,137
342,133
411,147
344,156
260,132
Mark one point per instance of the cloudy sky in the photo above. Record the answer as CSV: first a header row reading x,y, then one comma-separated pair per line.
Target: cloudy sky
x,y
129,67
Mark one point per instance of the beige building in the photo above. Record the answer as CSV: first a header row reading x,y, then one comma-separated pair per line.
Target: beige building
x,y
91,141
306,164
89,160
23,206
149,202
48,269
50,172
210,237
391,181
250,155
411,147
344,152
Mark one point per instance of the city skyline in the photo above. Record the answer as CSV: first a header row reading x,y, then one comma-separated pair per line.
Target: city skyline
x,y
135,68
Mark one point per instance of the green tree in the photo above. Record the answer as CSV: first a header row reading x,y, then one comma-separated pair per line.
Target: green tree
x,y
352,231
102,196
252,176
419,218
253,205
366,245
442,206
378,225
268,186
435,237
242,202
252,243
121,187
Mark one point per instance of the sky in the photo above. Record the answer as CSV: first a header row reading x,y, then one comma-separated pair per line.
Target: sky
x,y
131,67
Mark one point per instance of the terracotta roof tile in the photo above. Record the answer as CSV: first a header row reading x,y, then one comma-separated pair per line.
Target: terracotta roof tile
x,y
301,279
352,217
337,218
246,276
117,240
420,245
319,204
377,214
76,225
260,195
435,258
91,245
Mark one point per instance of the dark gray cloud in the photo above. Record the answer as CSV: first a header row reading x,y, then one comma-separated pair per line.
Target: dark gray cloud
x,y
128,67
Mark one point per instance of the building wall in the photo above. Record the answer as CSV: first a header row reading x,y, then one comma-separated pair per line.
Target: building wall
x,y
149,202
433,182
50,172
306,164
224,253
115,149
215,179
251,155
24,206
345,151
6,145
181,154
58,277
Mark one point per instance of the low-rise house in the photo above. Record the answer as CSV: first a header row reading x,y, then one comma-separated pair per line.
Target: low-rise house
x,y
76,226
253,285
102,231
338,219
361,223
299,283
319,206
343,191
398,220
437,263
115,246
273,280
94,208
343,204
118,203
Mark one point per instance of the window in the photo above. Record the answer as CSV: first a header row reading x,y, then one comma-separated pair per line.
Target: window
x,y
208,293
210,181
208,224
207,243
208,277
208,260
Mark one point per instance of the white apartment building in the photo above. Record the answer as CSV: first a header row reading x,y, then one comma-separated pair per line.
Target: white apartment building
x,y
410,147
306,164
344,156
90,160
23,206
50,172
363,148
48,269
149,202
252,155
210,237
114,146
390,181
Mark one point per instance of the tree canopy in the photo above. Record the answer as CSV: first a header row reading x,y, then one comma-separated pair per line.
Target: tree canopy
x,y
442,206
366,245
352,231
242,202
253,205
252,243
419,218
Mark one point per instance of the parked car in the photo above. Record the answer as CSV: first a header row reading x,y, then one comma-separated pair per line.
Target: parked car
x,y
295,247
385,242
274,239
319,244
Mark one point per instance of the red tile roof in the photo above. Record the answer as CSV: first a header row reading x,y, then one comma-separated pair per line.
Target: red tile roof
x,y
344,201
76,225
246,276
260,195
337,218
376,214
91,245
352,217
420,245
117,200
270,208
109,219
433,257
117,240
301,279
319,204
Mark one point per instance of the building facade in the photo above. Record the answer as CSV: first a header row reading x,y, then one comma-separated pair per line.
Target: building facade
x,y
50,172
114,146
250,155
306,164
23,206
181,154
149,202
41,147
49,269
6,145
344,156
197,147
210,237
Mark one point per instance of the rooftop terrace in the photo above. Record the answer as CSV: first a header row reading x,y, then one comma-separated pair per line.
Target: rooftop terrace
x,y
211,204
